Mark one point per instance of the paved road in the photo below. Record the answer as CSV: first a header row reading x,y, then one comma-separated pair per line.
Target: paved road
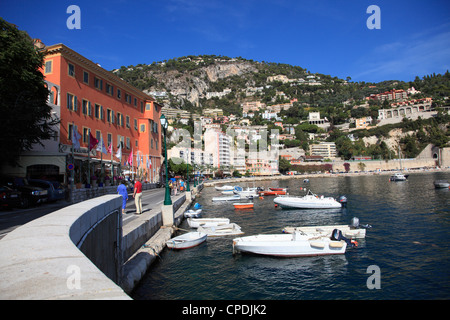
x,y
11,219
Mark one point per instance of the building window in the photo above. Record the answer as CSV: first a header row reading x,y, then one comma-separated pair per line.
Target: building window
x,y
86,77
109,89
135,124
143,130
128,143
128,121
127,98
151,143
148,106
98,134
136,144
119,119
109,139
72,102
87,110
142,107
86,135
119,93
69,131
135,102
71,70
98,83
48,66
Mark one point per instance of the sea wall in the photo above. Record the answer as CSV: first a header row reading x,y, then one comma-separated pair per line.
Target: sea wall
x,y
72,253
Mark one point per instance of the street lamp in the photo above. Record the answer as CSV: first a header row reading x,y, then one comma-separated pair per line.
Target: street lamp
x,y
187,171
164,125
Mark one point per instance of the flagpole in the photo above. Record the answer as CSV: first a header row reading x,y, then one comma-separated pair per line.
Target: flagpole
x,y
72,173
89,160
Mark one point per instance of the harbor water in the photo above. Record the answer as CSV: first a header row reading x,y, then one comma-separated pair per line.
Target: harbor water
x,y
409,245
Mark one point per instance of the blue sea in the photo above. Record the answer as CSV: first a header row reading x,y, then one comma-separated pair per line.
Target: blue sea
x,y
405,255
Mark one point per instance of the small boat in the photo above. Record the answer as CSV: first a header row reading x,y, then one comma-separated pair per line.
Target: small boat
x,y
272,192
233,197
223,188
441,184
305,180
231,229
243,205
187,240
352,231
309,201
248,192
227,192
277,189
193,213
398,176
207,222
292,245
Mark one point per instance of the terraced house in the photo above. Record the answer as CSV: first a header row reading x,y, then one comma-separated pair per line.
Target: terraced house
x,y
93,100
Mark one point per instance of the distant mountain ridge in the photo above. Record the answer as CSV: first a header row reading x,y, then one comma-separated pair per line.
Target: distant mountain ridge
x,y
194,83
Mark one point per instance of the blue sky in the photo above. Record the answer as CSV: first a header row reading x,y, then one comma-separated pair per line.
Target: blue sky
x,y
325,36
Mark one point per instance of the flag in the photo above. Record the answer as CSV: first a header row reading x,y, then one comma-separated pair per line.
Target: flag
x,y
110,150
75,138
119,151
138,159
101,146
150,163
92,141
130,158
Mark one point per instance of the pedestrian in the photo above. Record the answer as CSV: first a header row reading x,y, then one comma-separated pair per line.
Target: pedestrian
x,y
181,185
122,190
137,195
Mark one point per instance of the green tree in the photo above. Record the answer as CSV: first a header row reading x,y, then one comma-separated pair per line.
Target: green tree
x,y
26,116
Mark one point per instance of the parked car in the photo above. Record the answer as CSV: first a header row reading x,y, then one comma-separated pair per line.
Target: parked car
x,y
31,195
55,191
10,198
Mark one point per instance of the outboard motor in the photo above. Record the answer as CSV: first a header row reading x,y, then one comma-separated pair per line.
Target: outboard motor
x,y
343,201
336,235
354,224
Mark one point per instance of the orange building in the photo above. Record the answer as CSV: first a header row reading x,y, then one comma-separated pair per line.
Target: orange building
x,y
84,95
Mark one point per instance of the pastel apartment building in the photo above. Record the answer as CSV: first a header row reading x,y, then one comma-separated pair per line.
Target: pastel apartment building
x,y
91,99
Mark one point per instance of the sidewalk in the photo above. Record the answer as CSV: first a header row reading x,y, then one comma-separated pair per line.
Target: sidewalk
x,y
144,238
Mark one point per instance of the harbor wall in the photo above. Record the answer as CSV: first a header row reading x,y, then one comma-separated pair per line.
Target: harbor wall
x,y
72,253
83,252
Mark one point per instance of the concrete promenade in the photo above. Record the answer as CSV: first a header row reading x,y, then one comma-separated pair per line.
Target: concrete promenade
x,y
74,253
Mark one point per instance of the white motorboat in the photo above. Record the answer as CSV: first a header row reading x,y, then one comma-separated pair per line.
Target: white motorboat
x,y
207,222
398,176
193,213
309,201
231,229
187,240
234,197
223,188
291,245
230,192
352,231
245,192
441,184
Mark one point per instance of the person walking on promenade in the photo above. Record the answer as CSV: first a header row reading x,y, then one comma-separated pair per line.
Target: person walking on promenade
x,y
122,190
137,195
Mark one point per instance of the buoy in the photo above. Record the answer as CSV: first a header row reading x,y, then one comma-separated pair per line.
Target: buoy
x,y
355,243
261,197
276,206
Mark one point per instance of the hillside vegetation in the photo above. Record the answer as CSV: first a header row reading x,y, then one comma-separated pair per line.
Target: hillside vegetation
x,y
189,82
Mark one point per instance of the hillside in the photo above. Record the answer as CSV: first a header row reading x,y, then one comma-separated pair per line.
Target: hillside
x,y
194,83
